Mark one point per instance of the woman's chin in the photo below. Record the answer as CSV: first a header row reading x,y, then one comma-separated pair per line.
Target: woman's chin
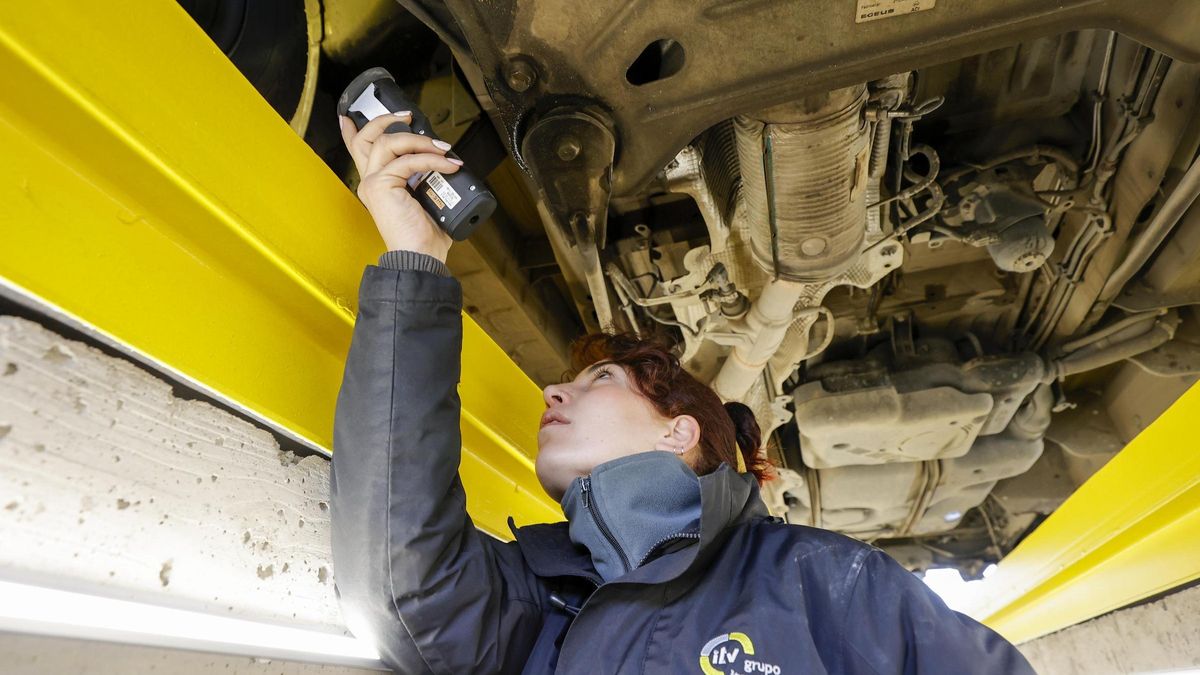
x,y
552,481
554,470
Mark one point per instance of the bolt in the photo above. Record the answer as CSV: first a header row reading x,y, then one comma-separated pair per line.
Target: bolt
x,y
568,148
521,76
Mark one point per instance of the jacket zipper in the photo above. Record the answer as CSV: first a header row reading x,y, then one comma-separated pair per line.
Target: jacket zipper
x,y
586,489
660,542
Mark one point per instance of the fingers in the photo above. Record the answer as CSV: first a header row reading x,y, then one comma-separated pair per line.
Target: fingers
x,y
358,142
397,172
388,147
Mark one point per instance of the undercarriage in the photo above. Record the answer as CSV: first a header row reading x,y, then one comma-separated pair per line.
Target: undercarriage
x,y
945,252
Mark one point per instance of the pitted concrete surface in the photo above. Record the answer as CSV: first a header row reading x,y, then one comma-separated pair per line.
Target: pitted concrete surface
x,y
109,482
1160,636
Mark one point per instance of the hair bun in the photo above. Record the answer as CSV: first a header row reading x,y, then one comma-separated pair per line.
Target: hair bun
x,y
745,426
749,437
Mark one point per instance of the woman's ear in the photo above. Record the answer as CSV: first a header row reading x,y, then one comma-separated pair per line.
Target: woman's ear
x,y
683,434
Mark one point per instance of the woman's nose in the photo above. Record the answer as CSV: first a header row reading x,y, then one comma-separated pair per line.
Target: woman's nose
x,y
555,394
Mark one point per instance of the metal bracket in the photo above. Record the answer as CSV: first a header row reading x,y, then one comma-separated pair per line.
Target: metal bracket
x,y
569,152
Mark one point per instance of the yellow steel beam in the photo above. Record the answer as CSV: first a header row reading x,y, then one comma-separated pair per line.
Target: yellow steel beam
x,y
148,192
1131,532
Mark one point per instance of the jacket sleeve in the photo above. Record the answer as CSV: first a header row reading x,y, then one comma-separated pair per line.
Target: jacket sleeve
x,y
413,575
894,623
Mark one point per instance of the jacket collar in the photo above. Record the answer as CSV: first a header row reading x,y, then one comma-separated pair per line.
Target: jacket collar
x,y
629,506
727,498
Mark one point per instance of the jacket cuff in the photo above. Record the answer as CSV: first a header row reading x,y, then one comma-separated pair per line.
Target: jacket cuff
x,y
411,260
406,286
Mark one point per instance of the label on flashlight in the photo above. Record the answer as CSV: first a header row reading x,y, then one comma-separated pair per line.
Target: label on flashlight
x,y
443,189
873,10
433,197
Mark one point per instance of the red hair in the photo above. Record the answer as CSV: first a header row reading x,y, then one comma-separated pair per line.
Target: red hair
x,y
725,429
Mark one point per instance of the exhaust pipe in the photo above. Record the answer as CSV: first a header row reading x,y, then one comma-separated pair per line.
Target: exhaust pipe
x,y
804,184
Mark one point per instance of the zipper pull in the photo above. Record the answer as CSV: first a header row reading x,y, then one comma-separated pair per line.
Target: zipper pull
x,y
584,489
561,604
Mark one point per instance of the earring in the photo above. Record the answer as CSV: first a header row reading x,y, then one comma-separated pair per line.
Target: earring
x,y
679,450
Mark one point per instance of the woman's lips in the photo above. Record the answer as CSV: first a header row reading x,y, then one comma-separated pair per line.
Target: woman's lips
x,y
552,417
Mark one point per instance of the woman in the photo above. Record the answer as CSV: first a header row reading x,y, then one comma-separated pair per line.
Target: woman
x,y
668,561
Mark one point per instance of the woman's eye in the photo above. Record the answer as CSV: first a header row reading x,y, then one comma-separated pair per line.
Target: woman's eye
x,y
603,372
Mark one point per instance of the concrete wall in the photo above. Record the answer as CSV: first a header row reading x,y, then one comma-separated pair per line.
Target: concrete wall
x,y
111,484
41,655
1159,636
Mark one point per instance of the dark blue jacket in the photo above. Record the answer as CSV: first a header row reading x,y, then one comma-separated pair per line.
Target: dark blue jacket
x,y
435,595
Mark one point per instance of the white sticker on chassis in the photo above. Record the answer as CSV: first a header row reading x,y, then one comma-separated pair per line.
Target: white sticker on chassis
x,y
871,10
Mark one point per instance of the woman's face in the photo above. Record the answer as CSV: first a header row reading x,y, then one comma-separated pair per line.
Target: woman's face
x,y
598,417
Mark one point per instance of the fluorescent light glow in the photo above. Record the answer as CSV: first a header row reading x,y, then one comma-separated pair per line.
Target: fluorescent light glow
x,y
958,595
46,611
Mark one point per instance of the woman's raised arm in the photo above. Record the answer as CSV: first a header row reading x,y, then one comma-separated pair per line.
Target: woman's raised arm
x,y
413,574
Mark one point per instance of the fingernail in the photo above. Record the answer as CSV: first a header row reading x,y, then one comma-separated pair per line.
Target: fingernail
x,y
403,113
442,144
455,161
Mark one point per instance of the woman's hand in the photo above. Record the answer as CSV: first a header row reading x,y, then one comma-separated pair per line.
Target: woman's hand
x,y
385,163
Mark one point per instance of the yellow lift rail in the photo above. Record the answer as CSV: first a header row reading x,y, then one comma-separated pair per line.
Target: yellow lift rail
x,y
1131,532
149,193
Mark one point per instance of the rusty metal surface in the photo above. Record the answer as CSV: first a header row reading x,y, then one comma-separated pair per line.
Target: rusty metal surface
x,y
726,58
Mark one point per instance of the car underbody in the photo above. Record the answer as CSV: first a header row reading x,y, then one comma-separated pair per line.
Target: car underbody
x,y
942,249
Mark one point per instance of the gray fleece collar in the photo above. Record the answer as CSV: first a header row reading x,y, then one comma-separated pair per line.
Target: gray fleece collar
x,y
631,507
